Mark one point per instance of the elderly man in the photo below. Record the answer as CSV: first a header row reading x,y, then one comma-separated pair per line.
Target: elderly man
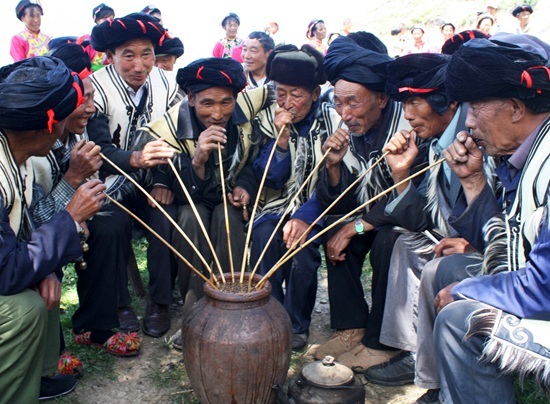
x,y
418,82
256,49
168,53
519,98
129,93
303,123
215,114
356,65
37,96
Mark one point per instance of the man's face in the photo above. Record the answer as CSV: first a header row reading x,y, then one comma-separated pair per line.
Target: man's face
x,y
490,122
32,18
360,108
77,121
254,56
424,120
165,62
134,60
297,100
213,106
523,17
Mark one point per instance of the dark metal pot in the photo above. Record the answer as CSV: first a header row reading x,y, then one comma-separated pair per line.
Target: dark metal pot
x,y
326,382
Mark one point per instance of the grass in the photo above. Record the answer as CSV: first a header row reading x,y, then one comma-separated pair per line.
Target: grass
x,y
170,375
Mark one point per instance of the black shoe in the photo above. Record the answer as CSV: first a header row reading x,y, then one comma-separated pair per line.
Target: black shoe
x,y
299,341
157,319
56,386
127,320
429,397
399,371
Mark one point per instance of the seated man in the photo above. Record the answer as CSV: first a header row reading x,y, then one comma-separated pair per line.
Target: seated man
x,y
418,82
508,116
38,95
215,114
303,123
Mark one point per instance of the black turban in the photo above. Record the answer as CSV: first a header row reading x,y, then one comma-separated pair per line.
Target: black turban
x,y
150,9
419,75
23,4
171,46
110,34
456,41
303,67
36,93
212,72
348,60
368,41
75,58
64,40
519,9
485,69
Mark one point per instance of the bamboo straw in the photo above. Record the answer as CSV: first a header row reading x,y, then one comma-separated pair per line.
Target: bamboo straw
x,y
226,214
251,221
350,187
281,262
154,233
287,210
199,219
158,206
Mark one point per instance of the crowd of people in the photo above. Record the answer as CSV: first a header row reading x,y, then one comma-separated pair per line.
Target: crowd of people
x,y
432,165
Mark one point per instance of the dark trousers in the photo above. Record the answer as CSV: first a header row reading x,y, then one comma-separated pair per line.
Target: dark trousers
x,y
299,275
348,307
103,286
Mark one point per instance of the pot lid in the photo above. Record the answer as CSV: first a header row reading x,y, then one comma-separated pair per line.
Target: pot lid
x,y
327,373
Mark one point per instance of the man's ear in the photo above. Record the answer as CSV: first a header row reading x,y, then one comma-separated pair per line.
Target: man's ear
x,y
191,99
518,109
110,56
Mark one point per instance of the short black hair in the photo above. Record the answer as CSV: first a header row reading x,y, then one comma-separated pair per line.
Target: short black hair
x,y
267,42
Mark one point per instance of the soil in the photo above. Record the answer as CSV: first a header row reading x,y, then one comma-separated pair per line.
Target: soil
x,y
157,375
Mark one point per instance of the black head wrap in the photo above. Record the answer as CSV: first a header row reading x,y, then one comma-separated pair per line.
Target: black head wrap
x,y
211,72
485,68
171,46
36,93
231,16
75,58
110,34
23,4
456,41
348,60
102,11
419,75
64,40
519,9
287,64
368,41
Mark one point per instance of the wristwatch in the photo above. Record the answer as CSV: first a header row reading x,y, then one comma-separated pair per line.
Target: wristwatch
x,y
359,228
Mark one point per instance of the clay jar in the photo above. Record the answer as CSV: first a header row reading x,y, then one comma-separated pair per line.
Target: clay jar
x,y
236,346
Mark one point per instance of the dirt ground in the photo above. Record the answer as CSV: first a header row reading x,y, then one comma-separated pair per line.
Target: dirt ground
x,y
158,374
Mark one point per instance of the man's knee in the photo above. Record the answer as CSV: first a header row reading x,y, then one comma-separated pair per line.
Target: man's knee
x,y
23,313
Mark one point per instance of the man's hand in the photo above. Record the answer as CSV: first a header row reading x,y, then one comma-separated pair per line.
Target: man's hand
x,y
444,297
49,289
450,246
293,230
403,151
339,242
283,118
153,153
206,143
84,162
87,200
339,144
162,195
239,198
466,160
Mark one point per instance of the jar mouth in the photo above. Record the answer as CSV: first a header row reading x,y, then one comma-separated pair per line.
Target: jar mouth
x,y
236,291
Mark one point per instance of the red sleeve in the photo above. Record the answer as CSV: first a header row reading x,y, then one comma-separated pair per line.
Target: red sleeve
x,y
19,48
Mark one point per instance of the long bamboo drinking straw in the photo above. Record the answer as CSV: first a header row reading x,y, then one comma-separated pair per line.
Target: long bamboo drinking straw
x,y
199,219
281,262
158,206
312,225
154,233
226,214
251,221
287,210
